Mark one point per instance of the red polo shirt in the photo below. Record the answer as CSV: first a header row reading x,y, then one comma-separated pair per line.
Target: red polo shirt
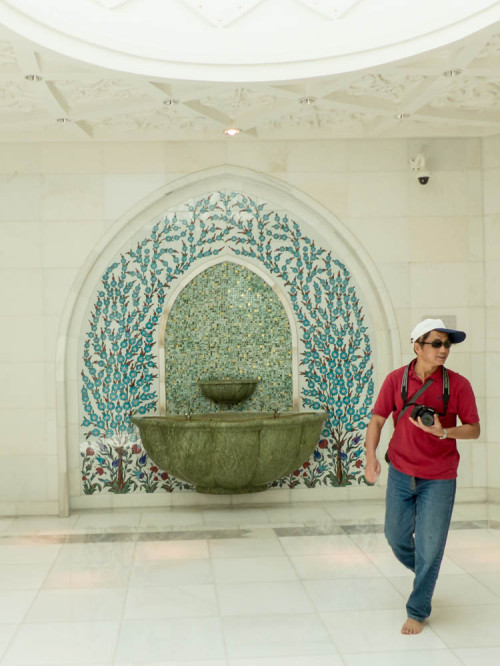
x,y
411,450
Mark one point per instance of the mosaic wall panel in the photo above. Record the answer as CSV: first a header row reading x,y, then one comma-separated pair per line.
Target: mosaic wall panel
x,y
227,324
119,354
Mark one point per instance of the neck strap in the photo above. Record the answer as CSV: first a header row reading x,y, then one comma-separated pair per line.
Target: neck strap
x,y
446,388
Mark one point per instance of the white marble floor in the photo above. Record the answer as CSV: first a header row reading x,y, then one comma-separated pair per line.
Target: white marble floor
x,y
295,585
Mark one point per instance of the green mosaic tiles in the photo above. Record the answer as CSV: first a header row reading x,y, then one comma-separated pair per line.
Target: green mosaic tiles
x,y
228,323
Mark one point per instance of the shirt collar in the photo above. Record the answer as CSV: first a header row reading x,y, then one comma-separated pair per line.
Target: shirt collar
x,y
412,375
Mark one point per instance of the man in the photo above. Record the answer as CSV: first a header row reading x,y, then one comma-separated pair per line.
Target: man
x,y
423,457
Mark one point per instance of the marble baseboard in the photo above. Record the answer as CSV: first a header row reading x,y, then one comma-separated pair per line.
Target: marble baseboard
x,y
29,508
193,499
493,496
279,496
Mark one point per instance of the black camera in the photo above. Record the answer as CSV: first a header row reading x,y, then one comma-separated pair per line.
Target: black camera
x,y
426,414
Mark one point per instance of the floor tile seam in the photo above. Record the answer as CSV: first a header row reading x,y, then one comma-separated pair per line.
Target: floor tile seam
x,y
10,643
490,589
406,574
454,653
122,616
329,633
391,581
316,609
49,571
471,548
251,556
435,629
220,616
476,580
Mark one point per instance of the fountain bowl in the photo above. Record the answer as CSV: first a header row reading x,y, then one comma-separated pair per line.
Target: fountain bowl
x,y
231,452
229,391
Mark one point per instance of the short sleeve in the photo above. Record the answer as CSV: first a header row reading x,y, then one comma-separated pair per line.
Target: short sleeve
x,y
466,403
385,402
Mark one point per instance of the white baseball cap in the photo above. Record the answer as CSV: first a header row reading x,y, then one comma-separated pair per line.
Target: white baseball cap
x,y
428,325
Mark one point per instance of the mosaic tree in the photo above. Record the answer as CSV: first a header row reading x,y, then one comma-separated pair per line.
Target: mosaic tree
x,y
120,355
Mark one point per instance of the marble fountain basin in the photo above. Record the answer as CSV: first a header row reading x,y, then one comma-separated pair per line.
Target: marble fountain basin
x,y
231,452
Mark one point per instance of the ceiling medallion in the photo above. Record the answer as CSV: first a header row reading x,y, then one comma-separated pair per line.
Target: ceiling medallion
x,y
452,72
232,131
221,12
111,4
333,9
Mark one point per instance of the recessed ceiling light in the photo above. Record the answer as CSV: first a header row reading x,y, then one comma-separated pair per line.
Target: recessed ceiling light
x,y
171,102
232,131
33,77
401,116
452,72
307,100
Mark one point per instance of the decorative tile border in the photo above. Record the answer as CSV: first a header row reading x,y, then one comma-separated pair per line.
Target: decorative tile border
x,y
120,349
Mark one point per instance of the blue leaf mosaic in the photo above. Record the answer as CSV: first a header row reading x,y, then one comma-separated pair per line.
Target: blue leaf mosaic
x,y
119,375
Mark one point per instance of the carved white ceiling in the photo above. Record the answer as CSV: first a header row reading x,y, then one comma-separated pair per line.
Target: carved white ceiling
x,y
245,40
48,96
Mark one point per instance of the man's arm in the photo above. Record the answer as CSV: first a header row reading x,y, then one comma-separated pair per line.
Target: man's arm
x,y
372,466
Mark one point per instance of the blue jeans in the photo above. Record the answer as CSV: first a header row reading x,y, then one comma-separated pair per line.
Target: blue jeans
x,y
417,520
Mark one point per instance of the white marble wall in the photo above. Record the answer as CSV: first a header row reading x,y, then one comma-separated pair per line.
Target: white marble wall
x,y
437,248
491,203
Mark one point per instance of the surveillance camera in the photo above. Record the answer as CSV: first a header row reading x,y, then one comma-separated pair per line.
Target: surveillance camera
x,y
423,177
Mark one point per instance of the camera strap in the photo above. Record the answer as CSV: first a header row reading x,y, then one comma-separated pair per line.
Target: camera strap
x,y
415,396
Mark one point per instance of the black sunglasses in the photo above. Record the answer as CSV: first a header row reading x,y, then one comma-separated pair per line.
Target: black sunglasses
x,y
437,344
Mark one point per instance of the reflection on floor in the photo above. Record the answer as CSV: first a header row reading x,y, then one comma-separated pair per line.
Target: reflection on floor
x,y
295,585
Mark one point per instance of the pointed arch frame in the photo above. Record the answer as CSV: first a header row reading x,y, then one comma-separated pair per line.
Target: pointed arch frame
x,y
301,207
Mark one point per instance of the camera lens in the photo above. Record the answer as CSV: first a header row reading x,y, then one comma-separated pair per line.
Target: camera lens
x,y
427,418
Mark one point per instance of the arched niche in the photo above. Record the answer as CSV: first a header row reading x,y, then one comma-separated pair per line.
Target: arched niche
x,y
319,225
227,319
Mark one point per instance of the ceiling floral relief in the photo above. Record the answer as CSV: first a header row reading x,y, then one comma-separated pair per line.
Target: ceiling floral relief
x,y
7,55
84,92
47,96
322,120
472,95
492,48
17,98
392,88
158,121
237,102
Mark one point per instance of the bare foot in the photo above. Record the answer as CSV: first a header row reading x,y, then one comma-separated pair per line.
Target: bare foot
x,y
412,626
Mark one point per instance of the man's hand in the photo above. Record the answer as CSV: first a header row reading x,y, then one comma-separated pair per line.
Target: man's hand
x,y
436,429
372,465
464,431
372,471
